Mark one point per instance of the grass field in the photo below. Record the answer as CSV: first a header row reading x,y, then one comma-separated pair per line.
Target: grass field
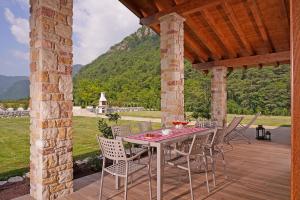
x,y
14,138
264,120
14,142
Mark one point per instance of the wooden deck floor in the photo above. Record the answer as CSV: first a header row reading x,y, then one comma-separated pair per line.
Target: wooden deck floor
x,y
259,171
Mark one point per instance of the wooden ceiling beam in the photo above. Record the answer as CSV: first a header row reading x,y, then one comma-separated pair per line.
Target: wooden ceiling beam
x,y
205,38
260,24
133,8
213,25
285,13
189,41
249,60
232,18
190,56
187,53
183,9
202,35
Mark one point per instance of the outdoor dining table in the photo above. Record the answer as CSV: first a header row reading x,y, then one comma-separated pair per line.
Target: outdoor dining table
x,y
158,140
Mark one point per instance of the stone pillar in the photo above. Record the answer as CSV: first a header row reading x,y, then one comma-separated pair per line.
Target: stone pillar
x,y
172,68
219,95
295,109
51,164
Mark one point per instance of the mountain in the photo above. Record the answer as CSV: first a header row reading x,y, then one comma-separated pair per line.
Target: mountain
x,y
19,90
14,87
17,87
8,81
129,73
76,69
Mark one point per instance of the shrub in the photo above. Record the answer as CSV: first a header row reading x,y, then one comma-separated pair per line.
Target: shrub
x,y
105,129
113,117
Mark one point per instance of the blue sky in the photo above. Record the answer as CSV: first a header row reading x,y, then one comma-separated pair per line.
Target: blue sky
x,y
93,33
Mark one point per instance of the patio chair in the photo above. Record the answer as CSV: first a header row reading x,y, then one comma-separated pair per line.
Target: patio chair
x,y
230,131
240,131
196,149
214,148
122,166
205,123
123,131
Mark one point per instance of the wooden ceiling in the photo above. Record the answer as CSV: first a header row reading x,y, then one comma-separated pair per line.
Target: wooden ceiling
x,y
232,33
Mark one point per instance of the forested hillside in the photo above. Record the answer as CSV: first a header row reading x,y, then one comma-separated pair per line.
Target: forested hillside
x,y
14,87
129,73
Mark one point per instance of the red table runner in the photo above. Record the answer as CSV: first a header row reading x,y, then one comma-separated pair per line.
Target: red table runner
x,y
173,134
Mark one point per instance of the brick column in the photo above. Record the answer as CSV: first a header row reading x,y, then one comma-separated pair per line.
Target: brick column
x,y
172,68
219,95
51,164
295,103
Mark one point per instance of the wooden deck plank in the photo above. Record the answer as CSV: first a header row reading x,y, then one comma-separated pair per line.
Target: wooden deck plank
x,y
259,171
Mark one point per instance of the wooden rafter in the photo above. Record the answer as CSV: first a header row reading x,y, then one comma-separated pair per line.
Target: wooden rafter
x,y
133,8
187,8
260,24
187,52
230,13
249,60
285,12
201,35
205,38
188,39
189,55
213,25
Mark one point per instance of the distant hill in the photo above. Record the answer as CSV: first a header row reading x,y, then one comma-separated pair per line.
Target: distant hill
x,y
129,73
17,87
76,68
14,87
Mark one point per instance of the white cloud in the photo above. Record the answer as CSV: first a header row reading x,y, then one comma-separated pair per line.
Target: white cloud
x,y
19,27
23,3
21,55
98,25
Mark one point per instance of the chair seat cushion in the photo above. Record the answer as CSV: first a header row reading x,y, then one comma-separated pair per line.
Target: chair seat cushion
x,y
135,150
120,168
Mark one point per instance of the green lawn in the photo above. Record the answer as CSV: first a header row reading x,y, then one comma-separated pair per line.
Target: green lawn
x,y
149,114
14,142
14,138
264,120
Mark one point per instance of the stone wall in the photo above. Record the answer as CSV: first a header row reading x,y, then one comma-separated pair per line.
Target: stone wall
x,y
51,164
219,95
172,68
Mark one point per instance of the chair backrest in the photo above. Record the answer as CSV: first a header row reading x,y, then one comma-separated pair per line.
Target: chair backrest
x,y
123,130
112,149
145,126
218,137
253,120
233,124
205,123
198,143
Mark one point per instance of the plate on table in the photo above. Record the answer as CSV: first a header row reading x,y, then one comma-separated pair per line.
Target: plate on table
x,y
151,135
184,123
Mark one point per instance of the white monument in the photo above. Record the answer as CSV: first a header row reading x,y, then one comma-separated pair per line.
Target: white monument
x,y
102,108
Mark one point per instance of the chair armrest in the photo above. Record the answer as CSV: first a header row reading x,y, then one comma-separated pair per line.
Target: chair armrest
x,y
181,152
138,154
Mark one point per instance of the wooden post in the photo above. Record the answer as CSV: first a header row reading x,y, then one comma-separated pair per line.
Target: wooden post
x,y
295,87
